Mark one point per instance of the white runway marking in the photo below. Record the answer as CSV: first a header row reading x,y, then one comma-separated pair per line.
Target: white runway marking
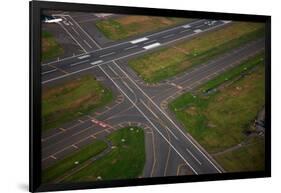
x,y
193,156
131,47
167,36
85,56
101,56
87,43
197,30
139,40
96,62
74,64
186,26
49,71
184,31
152,46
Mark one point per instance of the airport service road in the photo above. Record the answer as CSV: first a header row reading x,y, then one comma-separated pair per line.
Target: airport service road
x,y
66,67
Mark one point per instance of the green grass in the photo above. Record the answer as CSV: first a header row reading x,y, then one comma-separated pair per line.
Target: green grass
x,y
167,62
219,120
127,26
50,47
249,158
62,166
123,162
71,100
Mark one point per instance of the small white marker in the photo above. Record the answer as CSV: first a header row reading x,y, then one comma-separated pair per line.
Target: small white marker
x,y
85,56
139,40
197,30
96,62
186,26
152,46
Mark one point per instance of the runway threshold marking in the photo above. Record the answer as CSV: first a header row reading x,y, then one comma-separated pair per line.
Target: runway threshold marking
x,y
139,40
152,46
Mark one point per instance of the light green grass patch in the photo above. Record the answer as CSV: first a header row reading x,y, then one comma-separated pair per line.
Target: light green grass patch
x,y
62,166
127,26
167,62
126,159
71,100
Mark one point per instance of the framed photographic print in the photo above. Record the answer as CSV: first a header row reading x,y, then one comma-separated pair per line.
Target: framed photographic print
x,y
125,96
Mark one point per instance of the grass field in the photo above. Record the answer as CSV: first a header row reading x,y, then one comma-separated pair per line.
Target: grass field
x,y
126,159
50,48
127,26
167,62
248,158
70,100
219,120
53,172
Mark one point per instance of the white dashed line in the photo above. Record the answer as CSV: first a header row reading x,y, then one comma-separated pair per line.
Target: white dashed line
x,y
47,72
74,64
85,56
139,40
96,62
101,56
131,47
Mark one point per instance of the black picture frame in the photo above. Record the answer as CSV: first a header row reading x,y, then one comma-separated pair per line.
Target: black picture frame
x,y
36,8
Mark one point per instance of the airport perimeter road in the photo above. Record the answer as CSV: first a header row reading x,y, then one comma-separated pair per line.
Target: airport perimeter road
x,y
59,69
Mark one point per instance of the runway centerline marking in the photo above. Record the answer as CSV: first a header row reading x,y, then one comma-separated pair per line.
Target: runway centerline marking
x,y
149,42
85,56
152,46
114,45
47,72
138,40
96,62
167,36
128,48
81,62
108,54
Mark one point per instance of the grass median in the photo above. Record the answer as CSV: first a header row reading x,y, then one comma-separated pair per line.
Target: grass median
x,y
50,47
62,166
219,115
167,62
71,100
125,160
127,26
